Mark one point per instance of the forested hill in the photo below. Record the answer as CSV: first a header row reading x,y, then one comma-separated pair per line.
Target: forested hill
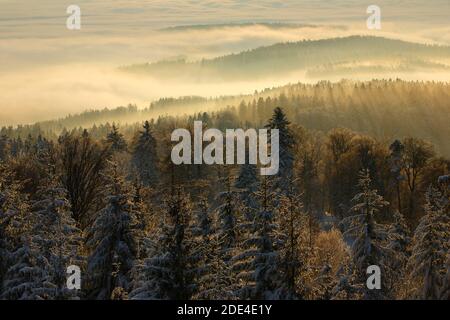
x,y
354,54
380,108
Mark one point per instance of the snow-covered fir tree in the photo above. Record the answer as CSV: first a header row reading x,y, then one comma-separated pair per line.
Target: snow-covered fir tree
x,y
219,282
27,277
116,140
56,234
111,240
257,262
227,212
216,280
285,173
144,156
203,227
142,216
24,271
247,183
429,248
170,271
368,247
396,166
399,241
292,219
348,286
399,235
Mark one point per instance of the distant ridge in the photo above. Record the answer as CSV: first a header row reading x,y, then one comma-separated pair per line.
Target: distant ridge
x,y
272,25
306,55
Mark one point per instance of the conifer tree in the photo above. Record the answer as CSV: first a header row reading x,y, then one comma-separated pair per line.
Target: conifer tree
x,y
247,183
169,271
144,156
430,245
27,277
24,269
396,159
227,217
285,173
111,240
257,265
116,140
368,247
348,286
291,219
56,233
142,217
204,222
216,280
399,235
400,240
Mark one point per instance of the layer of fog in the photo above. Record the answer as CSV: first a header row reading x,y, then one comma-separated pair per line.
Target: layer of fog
x,y
45,77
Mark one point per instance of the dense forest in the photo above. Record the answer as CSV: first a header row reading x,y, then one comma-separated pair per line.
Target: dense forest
x,y
344,57
108,199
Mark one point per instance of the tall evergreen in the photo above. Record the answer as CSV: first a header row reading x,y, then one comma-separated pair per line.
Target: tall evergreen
x,y
227,213
430,245
368,247
25,271
257,262
247,183
144,156
116,140
204,227
215,279
169,271
111,240
55,232
400,238
396,163
292,220
284,176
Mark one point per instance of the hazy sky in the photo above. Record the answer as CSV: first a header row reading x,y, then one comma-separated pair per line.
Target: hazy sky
x,y
43,17
47,70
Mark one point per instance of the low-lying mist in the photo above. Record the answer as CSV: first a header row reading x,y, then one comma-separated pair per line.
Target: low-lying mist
x,y
50,77
53,92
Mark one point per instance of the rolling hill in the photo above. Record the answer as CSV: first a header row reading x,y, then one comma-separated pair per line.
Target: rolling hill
x,y
318,58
